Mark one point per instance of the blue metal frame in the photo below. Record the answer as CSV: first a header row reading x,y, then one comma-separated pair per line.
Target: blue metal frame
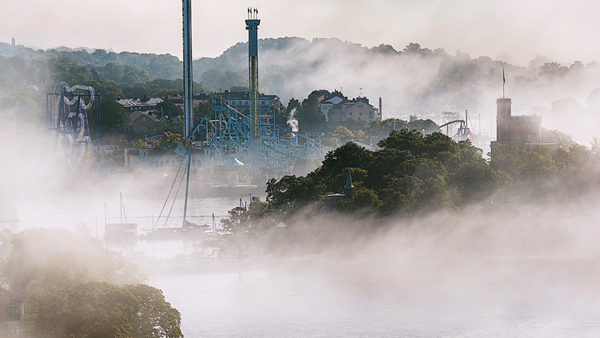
x,y
68,124
229,133
462,129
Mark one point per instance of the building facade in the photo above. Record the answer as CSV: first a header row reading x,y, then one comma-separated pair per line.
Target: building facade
x,y
241,101
525,130
143,122
358,109
326,104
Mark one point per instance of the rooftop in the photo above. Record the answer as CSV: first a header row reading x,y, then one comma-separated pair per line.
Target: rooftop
x,y
129,103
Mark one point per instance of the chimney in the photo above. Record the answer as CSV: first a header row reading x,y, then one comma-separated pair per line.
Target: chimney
x,y
380,110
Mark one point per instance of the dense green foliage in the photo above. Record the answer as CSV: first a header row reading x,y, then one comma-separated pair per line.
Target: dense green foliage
x,y
170,141
309,115
100,309
113,119
414,174
74,287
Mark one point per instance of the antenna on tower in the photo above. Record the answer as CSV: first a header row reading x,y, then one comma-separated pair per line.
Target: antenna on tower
x,y
503,82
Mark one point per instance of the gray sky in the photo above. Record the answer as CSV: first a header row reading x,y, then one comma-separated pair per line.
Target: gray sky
x,y
561,30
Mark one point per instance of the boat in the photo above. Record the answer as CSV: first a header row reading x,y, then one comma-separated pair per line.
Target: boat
x,y
187,228
119,232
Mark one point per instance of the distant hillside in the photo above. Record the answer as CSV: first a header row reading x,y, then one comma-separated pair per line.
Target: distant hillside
x,y
414,80
158,66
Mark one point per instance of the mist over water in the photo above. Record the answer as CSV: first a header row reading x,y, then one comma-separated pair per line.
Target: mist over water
x,y
475,273
468,276
468,273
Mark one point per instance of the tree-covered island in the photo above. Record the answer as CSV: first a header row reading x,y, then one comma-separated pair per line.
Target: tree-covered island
x,y
413,175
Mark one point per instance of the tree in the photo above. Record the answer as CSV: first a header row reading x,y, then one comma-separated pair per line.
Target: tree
x,y
155,317
77,288
113,118
404,139
309,115
239,89
552,69
112,72
332,173
249,225
133,75
343,133
170,109
100,309
293,104
292,192
68,259
426,126
412,48
555,136
355,124
170,141
203,109
360,200
476,181
213,79
508,159
415,49
164,93
94,309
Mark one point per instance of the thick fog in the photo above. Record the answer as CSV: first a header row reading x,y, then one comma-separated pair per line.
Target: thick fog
x,y
426,80
448,273
522,29
531,262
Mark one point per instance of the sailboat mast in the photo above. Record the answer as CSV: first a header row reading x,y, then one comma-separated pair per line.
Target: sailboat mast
x,y
121,206
187,183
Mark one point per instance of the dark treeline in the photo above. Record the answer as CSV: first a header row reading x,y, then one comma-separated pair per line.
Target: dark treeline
x,y
413,175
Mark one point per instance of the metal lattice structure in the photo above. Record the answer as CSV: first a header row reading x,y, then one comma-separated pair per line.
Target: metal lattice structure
x,y
68,127
462,132
230,132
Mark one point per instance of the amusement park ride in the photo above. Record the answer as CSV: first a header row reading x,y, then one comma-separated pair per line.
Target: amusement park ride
x,y
270,150
251,138
67,119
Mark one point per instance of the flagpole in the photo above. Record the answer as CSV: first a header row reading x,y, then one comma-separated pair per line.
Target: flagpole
x,y
503,82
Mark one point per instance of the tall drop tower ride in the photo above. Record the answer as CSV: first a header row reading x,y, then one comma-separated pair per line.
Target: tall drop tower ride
x,y
252,27
188,107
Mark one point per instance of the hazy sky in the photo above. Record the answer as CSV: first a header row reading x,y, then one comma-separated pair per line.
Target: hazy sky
x,y
561,30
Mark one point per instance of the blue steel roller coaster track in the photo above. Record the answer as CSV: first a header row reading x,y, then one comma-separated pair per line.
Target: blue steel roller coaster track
x,y
228,134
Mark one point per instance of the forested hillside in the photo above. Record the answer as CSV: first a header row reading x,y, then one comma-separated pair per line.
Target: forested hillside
x,y
411,80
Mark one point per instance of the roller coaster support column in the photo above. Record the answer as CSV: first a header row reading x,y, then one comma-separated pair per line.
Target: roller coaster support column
x,y
252,27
